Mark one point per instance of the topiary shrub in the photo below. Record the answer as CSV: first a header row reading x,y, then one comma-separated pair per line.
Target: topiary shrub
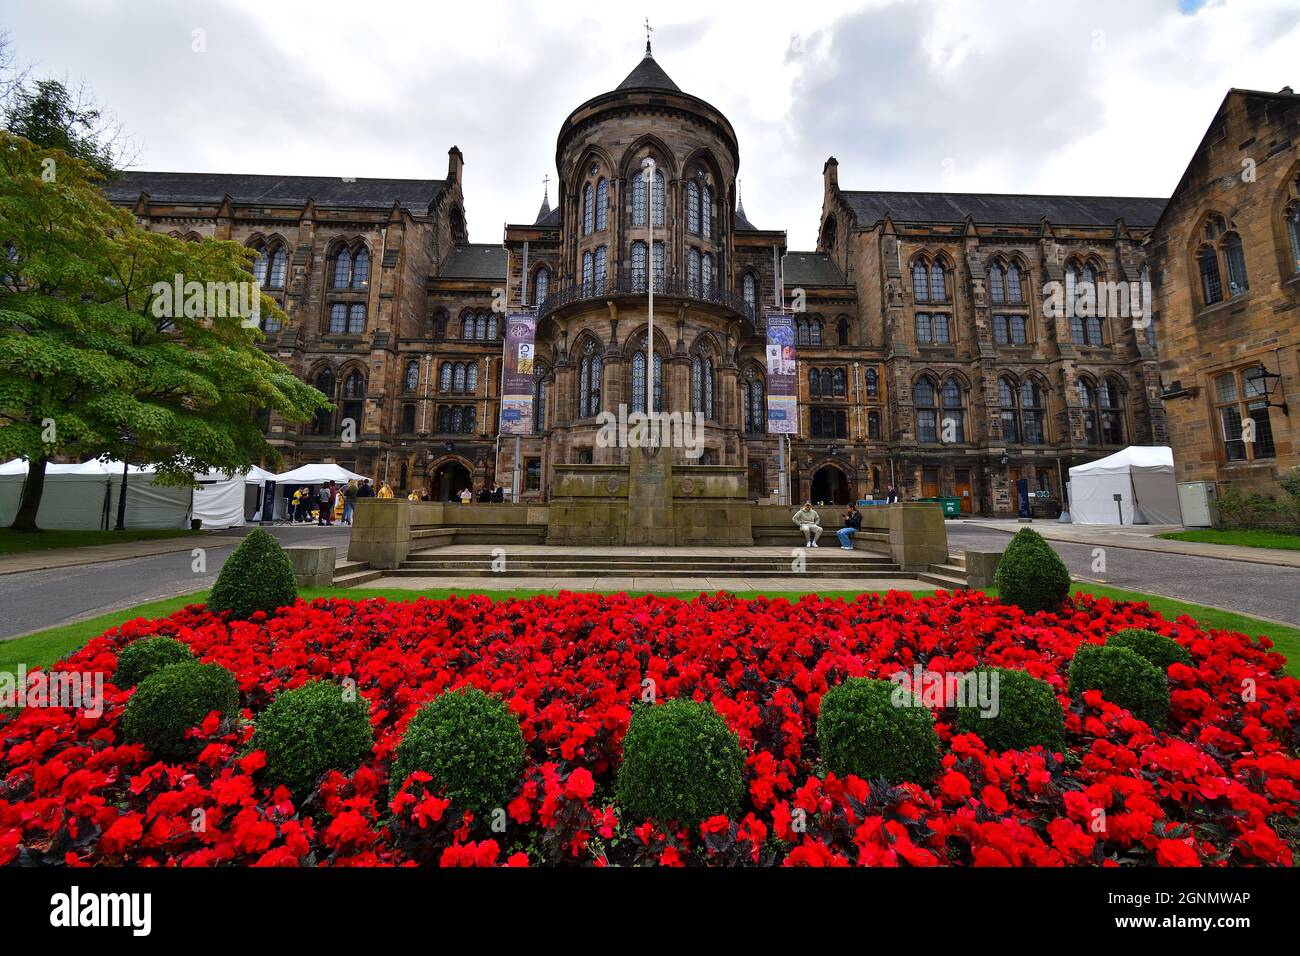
x,y
256,577
1031,575
1028,714
681,762
1124,678
311,729
469,743
862,731
176,698
141,659
1158,649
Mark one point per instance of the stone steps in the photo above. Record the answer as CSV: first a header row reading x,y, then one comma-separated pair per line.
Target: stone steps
x,y
515,578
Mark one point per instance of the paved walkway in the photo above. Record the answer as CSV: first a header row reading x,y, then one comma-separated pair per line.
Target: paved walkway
x,y
1139,538
99,553
692,584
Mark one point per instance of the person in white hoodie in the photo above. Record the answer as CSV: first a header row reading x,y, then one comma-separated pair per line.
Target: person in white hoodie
x,y
809,523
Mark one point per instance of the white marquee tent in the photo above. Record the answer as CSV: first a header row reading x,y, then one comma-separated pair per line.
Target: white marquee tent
x,y
318,473
223,501
1143,477
84,496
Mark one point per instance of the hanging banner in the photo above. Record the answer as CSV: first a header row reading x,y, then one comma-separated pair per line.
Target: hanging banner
x,y
517,379
782,375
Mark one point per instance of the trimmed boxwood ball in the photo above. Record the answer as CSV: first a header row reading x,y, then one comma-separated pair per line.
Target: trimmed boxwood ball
x,y
141,659
1031,575
1028,714
176,698
311,729
469,743
1158,649
681,762
1124,678
258,576
861,731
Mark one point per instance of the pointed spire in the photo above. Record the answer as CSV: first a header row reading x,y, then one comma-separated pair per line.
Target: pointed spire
x,y
740,198
648,30
545,210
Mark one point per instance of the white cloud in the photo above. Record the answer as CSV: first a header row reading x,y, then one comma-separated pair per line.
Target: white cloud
x,y
1019,96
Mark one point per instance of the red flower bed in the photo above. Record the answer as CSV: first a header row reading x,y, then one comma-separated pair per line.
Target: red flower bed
x,y
1219,787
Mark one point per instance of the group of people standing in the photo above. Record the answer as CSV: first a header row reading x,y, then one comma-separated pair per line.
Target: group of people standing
x,y
810,523
486,495
330,503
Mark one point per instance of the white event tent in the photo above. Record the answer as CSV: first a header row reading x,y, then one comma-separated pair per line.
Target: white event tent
x,y
318,473
1142,476
84,496
223,501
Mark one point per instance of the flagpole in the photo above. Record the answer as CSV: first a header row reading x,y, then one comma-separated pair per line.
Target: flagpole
x,y
648,164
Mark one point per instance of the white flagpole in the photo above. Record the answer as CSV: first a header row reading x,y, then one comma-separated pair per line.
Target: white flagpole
x,y
648,164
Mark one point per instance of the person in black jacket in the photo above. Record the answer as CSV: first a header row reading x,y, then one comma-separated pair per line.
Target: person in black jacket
x,y
852,525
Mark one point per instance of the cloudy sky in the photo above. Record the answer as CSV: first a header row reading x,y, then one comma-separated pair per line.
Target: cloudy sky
x,y
1055,96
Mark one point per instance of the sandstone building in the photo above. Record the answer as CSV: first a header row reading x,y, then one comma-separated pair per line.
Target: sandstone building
x,y
927,355
1226,257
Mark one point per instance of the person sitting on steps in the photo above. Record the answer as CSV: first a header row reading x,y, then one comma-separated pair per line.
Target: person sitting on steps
x,y
852,525
809,523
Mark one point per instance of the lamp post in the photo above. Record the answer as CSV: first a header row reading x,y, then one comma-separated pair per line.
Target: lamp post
x,y
648,167
1267,383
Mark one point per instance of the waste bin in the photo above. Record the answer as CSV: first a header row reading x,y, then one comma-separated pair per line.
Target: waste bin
x,y
951,505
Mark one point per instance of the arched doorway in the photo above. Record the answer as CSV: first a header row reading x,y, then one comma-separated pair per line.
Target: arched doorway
x,y
830,486
448,479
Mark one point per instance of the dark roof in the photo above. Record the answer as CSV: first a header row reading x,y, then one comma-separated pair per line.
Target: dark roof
x,y
648,75
415,194
742,221
551,219
810,268
543,211
1004,209
475,262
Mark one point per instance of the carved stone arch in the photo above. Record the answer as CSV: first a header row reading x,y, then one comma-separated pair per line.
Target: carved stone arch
x,y
648,143
663,344
706,342
593,152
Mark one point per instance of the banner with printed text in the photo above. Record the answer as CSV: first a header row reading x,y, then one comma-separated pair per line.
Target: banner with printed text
x,y
782,375
517,380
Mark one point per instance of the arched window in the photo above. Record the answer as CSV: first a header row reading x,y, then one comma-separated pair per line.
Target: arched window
x,y
602,205
693,271
260,264
706,272
599,276
638,380
444,420
659,266
1010,408
693,207
938,287
445,376
1032,413
342,268
322,423
467,326
588,273
801,331
706,211
657,200
638,199
702,385
457,419
1088,401
1293,232
471,377
458,377
839,379
754,406
927,411
412,381
1236,260
361,269
749,288
873,425
814,383
1081,289
541,285
954,417
815,331
588,210
354,391
1013,284
842,331
826,383
492,327
589,370
638,266
1211,283
539,400
997,284
279,264
873,383
480,327
920,283
1112,413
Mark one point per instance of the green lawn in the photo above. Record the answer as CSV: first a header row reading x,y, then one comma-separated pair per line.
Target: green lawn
x,y
1245,539
19,542
45,647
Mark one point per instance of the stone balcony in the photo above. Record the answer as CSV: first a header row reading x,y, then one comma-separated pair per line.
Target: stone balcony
x,y
634,287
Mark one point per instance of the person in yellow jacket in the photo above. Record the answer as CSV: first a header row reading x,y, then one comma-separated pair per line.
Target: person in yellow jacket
x,y
384,490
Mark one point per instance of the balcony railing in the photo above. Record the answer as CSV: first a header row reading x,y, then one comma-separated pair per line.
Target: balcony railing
x,y
629,285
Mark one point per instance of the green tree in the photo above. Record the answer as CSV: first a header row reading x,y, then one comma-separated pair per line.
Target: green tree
x,y
98,357
49,114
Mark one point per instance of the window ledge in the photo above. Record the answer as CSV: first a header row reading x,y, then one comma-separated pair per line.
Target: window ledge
x,y
1226,305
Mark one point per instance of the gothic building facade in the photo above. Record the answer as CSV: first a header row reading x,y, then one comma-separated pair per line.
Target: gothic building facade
x,y
928,358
